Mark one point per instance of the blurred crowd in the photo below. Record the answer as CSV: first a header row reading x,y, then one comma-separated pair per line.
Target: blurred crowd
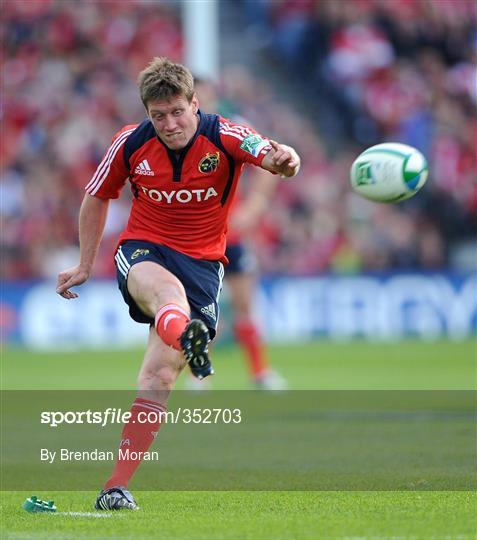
x,y
399,70
373,71
69,84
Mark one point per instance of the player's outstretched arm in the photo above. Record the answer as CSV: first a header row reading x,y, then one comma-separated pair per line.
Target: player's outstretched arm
x,y
91,226
282,159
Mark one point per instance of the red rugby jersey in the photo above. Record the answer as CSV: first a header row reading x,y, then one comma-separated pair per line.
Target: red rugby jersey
x,y
181,199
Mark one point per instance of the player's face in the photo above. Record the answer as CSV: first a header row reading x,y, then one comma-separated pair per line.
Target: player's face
x,y
174,120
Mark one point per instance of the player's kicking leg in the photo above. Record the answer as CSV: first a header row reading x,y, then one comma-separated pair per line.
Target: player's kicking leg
x,y
168,305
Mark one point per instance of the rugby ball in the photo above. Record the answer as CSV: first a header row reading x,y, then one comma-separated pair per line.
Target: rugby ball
x,y
389,172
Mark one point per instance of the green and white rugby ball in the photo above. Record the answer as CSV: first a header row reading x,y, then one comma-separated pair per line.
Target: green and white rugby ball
x,y
389,172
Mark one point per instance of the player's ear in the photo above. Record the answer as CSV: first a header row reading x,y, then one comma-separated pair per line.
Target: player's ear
x,y
146,106
195,103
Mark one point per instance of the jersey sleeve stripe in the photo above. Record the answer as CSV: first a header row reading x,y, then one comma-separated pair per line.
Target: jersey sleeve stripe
x,y
229,130
104,162
229,133
112,149
105,165
236,127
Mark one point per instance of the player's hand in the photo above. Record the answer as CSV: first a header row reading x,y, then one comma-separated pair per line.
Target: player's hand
x,y
69,278
285,159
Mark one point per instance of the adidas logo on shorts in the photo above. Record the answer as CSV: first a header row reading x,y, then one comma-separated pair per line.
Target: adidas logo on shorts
x,y
209,311
144,168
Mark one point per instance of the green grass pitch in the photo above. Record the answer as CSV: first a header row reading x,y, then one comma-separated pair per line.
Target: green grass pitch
x,y
405,514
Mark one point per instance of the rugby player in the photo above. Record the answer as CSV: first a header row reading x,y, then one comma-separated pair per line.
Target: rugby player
x,y
183,167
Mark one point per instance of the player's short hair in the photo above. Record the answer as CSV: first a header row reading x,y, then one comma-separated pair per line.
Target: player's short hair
x,y
162,79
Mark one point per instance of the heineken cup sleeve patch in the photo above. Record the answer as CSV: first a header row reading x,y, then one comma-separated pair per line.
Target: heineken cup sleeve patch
x,y
253,144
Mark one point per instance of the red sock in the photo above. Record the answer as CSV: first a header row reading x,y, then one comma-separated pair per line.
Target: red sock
x,y
171,321
137,436
247,335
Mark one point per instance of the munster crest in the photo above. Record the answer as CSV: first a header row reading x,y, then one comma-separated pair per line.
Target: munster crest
x,y
209,163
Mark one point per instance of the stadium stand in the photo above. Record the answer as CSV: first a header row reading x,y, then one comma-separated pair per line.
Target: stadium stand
x,y
400,70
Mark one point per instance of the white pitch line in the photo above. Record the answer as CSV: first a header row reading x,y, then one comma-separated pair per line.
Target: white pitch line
x,y
83,514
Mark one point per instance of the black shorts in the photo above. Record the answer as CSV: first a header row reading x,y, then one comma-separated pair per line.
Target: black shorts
x,y
202,280
241,259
